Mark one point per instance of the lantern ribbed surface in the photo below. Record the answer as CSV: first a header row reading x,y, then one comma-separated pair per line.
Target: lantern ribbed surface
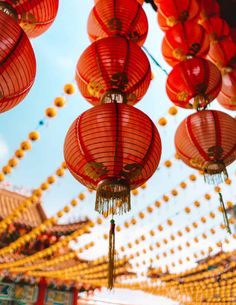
x,y
217,28
206,141
227,96
34,16
118,18
185,40
193,83
170,12
223,53
17,63
113,68
108,149
209,8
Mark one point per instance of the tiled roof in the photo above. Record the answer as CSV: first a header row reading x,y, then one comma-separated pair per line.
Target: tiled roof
x,y
33,216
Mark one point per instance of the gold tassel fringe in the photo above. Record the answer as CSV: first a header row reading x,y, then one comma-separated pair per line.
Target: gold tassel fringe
x,y
111,256
225,216
113,197
215,172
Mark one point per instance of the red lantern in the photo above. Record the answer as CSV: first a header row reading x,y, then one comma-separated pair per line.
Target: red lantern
x,y
193,83
17,63
34,16
206,141
216,28
170,12
108,149
209,8
223,54
113,69
185,40
118,18
227,96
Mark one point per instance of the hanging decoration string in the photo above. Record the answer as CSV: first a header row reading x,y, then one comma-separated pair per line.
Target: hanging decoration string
x,y
225,216
154,60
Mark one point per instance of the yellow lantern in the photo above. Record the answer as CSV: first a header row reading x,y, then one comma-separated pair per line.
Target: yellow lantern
x,y
60,172
19,153
2,177
44,186
34,135
173,110
25,145
74,202
69,89
51,179
81,196
13,162
51,112
162,121
59,101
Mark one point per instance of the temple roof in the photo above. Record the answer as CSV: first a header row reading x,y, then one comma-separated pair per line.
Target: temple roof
x,y
34,215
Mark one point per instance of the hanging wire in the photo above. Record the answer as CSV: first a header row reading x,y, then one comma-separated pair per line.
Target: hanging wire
x,y
154,60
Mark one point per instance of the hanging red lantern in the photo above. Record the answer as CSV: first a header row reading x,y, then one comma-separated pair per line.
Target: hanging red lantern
x,y
216,28
227,96
34,16
193,83
223,54
17,63
108,149
171,12
185,40
113,68
208,9
118,18
206,141
226,101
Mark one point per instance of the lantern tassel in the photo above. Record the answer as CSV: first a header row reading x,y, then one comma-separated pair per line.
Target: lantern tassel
x,y
225,216
215,172
112,197
111,255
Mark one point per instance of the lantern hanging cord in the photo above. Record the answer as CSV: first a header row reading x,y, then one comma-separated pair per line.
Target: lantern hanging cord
x,y
154,60
111,255
226,220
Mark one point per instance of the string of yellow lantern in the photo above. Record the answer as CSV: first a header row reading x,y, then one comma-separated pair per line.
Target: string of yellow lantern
x,y
34,135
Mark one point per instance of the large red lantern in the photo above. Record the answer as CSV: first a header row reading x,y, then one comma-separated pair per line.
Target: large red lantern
x,y
17,63
227,96
193,83
108,149
171,12
34,16
111,69
223,54
185,40
118,18
216,28
206,141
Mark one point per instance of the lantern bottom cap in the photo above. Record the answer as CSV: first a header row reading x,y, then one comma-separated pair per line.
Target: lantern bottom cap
x,y
114,96
113,197
215,172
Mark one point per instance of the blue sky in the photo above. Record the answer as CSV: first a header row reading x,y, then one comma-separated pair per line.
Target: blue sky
x,y
57,52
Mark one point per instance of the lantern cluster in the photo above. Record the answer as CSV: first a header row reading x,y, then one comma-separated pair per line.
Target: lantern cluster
x,y
222,52
113,147
18,21
205,140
